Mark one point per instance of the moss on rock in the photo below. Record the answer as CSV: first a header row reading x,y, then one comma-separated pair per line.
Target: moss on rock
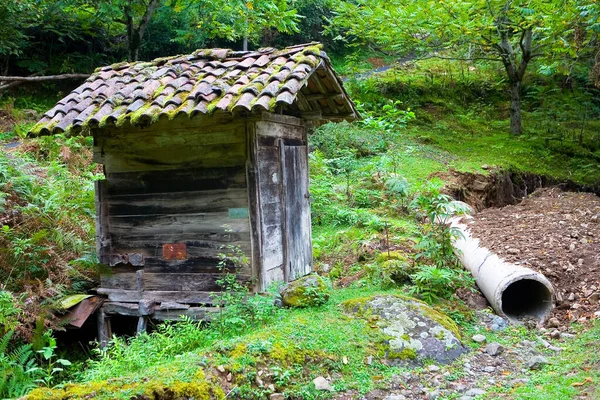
x,y
409,330
308,291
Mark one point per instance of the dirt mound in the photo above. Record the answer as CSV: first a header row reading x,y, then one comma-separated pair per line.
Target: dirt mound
x,y
499,188
556,233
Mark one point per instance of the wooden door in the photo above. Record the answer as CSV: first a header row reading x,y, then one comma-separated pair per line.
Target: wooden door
x,y
297,229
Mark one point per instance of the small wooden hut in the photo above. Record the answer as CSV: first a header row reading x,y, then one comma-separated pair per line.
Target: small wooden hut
x,y
203,154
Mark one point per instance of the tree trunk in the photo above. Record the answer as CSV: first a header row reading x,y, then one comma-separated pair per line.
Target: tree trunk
x,y
516,126
136,34
245,44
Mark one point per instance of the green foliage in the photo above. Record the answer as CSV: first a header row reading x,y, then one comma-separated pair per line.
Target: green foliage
x,y
512,33
18,370
435,244
338,140
390,273
239,310
46,237
234,20
14,18
125,356
433,283
9,312
386,117
22,369
50,366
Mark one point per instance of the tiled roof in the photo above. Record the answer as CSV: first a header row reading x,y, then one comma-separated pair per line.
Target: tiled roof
x,y
298,79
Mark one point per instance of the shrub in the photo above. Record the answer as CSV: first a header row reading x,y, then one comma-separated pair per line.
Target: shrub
x,y
391,272
335,140
432,283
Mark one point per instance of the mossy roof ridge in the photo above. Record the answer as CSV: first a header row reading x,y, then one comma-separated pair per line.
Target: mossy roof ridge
x,y
205,81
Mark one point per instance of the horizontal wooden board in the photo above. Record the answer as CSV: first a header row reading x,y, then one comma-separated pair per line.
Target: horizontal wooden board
x,y
271,142
282,119
219,120
178,138
180,180
133,296
221,155
191,265
225,146
177,202
132,310
276,129
194,248
167,281
181,223
222,237
202,264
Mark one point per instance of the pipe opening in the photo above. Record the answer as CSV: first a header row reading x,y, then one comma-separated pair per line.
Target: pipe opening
x,y
526,298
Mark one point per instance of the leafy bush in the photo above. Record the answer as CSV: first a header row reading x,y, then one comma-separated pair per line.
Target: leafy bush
x,y
387,115
390,273
335,140
22,369
432,283
9,312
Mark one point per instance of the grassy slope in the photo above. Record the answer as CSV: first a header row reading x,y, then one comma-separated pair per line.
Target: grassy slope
x,y
292,349
464,112
347,236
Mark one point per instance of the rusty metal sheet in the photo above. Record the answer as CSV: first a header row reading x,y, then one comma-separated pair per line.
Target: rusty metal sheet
x,y
174,251
77,316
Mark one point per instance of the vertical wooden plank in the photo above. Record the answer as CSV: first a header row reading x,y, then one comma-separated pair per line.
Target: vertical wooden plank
x,y
142,325
104,331
254,206
284,212
103,242
297,212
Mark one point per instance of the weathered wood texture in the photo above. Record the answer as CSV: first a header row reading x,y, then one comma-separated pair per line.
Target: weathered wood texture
x,y
273,134
135,296
160,312
176,200
103,242
298,247
172,149
185,187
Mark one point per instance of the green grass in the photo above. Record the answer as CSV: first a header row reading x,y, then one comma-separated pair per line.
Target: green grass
x,y
481,144
462,119
571,373
293,348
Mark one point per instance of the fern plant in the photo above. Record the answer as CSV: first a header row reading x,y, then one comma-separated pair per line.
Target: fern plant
x,y
18,370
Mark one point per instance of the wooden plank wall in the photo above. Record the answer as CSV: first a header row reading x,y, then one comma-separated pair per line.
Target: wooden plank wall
x,y
272,133
174,186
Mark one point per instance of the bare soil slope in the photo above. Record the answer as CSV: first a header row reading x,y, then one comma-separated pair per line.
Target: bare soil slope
x,y
556,233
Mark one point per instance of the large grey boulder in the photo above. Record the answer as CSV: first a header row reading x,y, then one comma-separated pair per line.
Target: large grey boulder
x,y
411,331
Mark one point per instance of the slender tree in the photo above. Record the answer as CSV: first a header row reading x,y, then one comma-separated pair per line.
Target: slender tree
x,y
513,32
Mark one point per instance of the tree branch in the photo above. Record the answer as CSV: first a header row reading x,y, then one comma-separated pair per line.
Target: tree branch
x,y
147,17
461,58
42,78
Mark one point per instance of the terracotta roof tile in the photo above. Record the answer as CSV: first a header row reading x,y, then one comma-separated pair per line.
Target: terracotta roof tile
x,y
198,83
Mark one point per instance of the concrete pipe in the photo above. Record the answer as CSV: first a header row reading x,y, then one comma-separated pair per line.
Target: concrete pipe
x,y
513,291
